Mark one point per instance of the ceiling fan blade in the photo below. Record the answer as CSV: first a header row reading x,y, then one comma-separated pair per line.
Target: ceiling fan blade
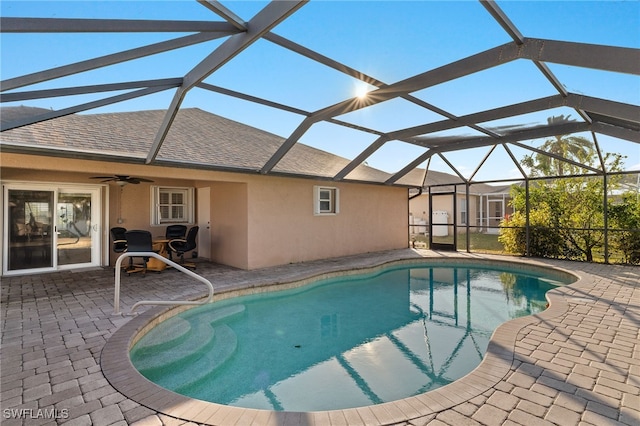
x,y
122,178
136,180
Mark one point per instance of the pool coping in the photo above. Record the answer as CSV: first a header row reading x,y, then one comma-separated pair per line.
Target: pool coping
x,y
496,364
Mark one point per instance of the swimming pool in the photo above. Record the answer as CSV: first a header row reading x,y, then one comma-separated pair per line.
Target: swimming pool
x,y
340,343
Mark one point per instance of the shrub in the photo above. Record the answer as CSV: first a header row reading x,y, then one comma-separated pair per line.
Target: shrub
x,y
544,241
626,216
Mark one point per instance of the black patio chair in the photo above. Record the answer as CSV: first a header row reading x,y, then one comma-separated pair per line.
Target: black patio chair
x,y
119,239
138,241
182,246
173,232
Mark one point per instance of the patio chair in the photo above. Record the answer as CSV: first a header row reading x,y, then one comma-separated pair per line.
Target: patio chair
x,y
119,239
173,232
138,241
182,246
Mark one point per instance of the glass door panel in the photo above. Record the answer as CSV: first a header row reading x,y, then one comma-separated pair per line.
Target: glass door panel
x,y
30,214
74,228
51,228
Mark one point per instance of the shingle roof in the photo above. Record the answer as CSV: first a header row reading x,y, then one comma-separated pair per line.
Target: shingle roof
x,y
197,138
435,178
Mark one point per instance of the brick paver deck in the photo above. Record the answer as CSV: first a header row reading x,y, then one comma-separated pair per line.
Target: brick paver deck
x,y
578,363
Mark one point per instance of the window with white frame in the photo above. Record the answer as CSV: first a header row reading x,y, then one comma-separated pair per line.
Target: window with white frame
x,y
463,211
326,200
172,205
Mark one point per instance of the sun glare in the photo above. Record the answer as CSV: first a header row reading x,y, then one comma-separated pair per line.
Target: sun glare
x,y
361,92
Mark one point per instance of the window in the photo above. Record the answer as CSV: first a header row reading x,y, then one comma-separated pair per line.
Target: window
x,y
326,200
463,211
172,205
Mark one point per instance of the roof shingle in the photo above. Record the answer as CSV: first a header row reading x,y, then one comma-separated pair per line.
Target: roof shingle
x,y
197,138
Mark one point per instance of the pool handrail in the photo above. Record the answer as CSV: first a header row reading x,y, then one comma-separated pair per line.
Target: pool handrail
x,y
118,270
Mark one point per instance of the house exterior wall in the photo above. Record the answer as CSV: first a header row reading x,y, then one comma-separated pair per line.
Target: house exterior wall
x,y
283,227
229,224
419,207
256,221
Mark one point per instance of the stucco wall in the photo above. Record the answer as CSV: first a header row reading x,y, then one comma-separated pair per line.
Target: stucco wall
x,y
284,229
419,207
256,220
229,220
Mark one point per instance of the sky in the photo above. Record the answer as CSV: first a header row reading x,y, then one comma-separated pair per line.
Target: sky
x,y
388,40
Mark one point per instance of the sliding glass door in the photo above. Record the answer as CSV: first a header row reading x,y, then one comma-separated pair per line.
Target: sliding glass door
x,y
30,230
76,231
51,228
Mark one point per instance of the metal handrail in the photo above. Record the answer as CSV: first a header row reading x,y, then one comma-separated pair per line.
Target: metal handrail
x,y
118,268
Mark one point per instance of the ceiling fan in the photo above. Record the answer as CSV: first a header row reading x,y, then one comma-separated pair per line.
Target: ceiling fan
x,y
122,179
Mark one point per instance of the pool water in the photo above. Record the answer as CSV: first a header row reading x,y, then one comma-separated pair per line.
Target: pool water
x,y
340,343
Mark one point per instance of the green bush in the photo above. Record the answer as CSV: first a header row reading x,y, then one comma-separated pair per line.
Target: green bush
x,y
626,215
543,240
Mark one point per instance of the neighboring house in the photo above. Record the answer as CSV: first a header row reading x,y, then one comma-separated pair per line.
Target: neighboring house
x,y
56,216
487,205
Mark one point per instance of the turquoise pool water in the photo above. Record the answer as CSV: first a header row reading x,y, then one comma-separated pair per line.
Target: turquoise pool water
x,y
339,343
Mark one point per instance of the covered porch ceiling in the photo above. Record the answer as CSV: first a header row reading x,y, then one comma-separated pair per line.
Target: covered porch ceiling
x,y
292,67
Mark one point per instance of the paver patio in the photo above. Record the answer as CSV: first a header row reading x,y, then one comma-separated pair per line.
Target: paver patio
x,y
578,363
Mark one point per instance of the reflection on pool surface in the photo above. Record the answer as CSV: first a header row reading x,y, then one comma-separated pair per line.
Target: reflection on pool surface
x,y
340,343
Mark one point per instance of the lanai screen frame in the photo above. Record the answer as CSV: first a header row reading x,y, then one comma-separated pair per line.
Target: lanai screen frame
x,y
527,181
602,116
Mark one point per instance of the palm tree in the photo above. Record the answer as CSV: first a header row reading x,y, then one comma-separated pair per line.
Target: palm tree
x,y
576,148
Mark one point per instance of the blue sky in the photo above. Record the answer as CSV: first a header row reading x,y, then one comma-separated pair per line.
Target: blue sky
x,y
386,40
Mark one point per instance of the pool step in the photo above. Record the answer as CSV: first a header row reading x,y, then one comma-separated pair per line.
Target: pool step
x,y
213,315
225,344
154,364
161,353
173,332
